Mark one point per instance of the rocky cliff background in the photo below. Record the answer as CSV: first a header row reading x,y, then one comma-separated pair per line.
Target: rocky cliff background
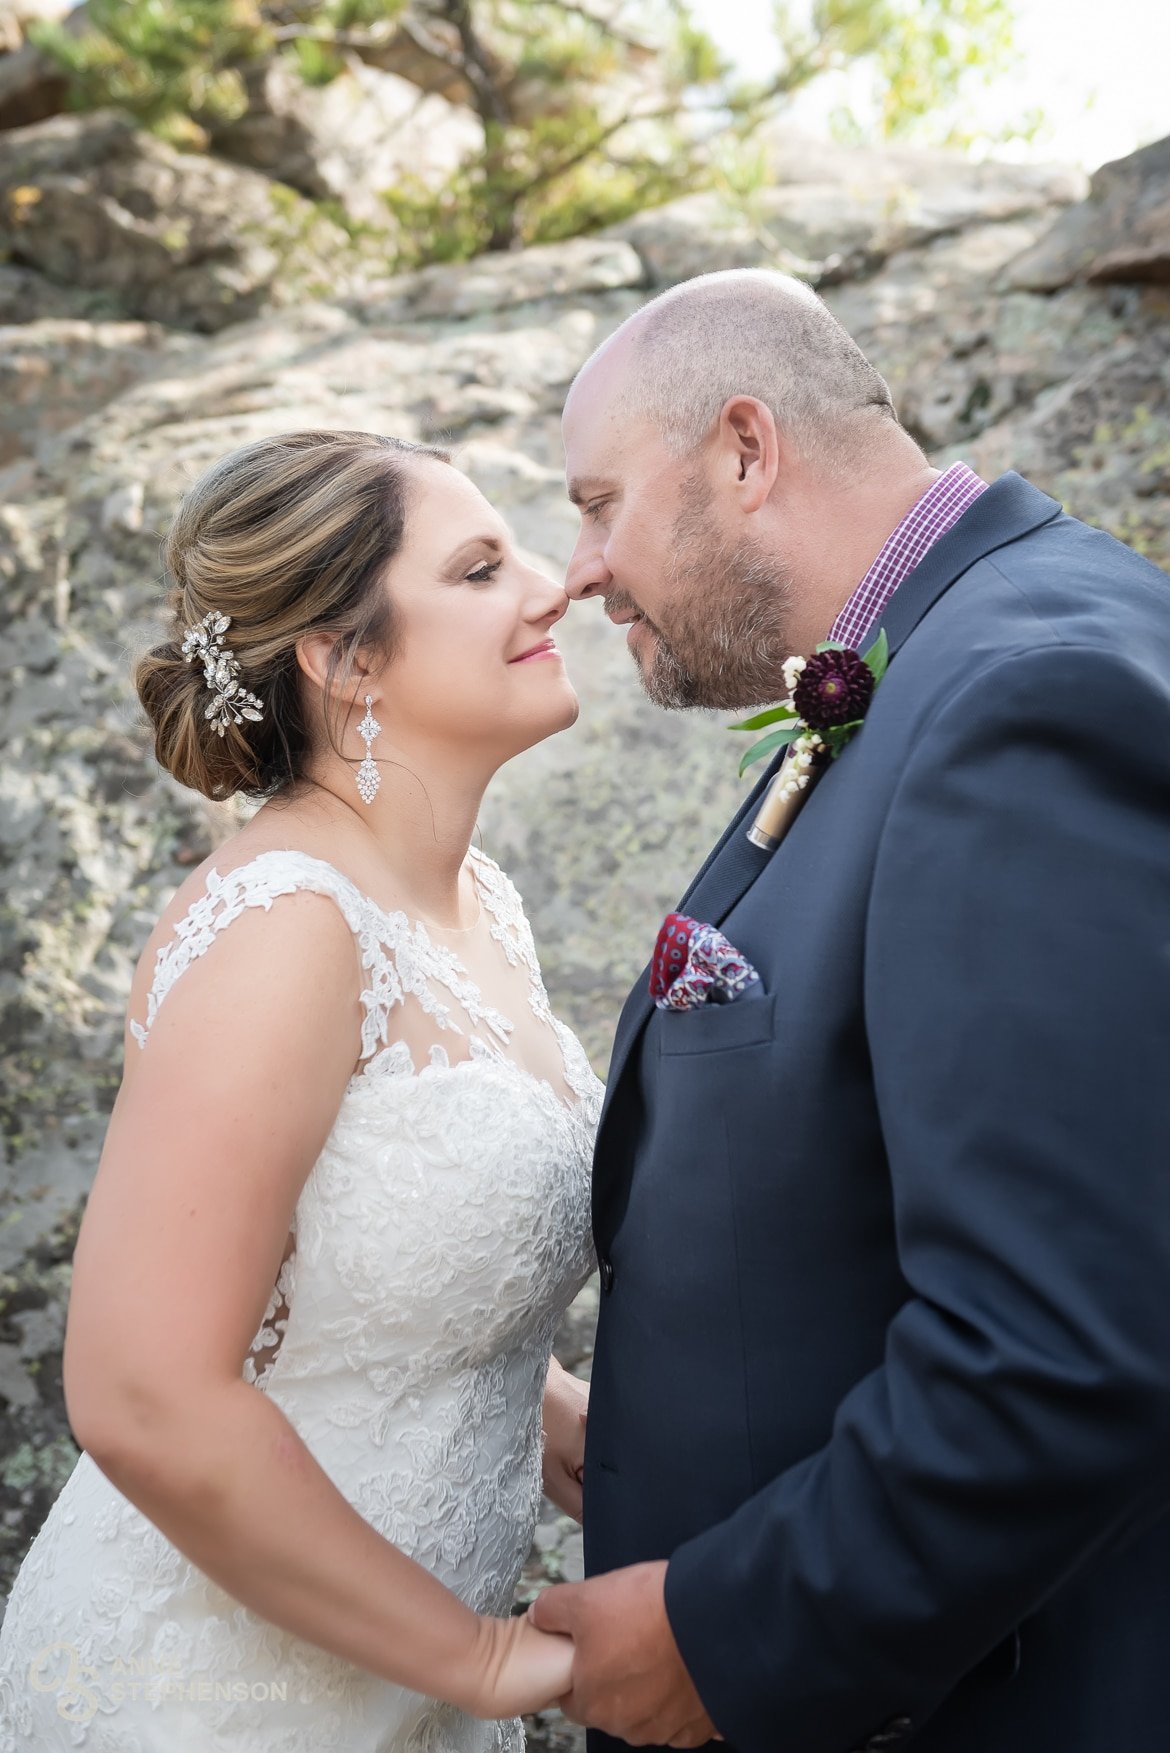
x,y
159,307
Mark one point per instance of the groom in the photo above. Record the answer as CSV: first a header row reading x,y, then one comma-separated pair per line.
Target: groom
x,y
879,1436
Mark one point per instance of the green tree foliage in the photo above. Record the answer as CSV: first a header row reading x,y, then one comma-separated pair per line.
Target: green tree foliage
x,y
591,109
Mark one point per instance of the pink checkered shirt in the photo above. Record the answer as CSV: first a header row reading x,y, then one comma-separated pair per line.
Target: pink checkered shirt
x,y
942,505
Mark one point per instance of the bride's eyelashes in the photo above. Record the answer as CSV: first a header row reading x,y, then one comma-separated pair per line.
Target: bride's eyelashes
x,y
485,572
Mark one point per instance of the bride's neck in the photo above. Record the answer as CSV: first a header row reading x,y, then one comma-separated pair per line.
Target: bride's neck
x,y
420,823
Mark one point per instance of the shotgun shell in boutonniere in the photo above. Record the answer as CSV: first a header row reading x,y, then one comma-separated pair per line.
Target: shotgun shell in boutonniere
x,y
828,697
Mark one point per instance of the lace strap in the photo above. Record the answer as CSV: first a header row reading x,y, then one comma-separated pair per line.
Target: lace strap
x,y
510,927
257,884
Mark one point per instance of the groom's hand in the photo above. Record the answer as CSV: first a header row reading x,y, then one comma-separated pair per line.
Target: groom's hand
x,y
628,1677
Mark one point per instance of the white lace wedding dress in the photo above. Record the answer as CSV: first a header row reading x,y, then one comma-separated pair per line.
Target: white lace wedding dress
x,y
437,1241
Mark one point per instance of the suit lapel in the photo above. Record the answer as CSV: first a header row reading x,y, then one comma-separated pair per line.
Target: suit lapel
x,y
1009,509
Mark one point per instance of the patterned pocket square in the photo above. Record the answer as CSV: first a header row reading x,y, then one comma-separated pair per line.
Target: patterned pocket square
x,y
695,964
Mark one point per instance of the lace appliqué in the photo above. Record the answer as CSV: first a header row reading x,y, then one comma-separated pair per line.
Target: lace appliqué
x,y
396,953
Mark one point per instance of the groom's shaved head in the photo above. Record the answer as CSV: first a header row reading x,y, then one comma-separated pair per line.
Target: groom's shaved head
x,y
748,332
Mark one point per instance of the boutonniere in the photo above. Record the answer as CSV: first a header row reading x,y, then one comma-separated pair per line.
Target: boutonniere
x,y
828,697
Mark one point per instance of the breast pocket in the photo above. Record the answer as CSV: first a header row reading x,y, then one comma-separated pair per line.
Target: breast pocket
x,y
716,1028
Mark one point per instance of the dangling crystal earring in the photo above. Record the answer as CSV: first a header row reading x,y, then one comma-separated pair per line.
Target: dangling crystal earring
x,y
368,777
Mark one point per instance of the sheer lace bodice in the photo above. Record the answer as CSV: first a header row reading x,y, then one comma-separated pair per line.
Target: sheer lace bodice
x,y
437,1240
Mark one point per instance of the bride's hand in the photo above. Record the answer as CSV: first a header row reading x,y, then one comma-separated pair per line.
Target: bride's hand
x,y
566,1404
519,1669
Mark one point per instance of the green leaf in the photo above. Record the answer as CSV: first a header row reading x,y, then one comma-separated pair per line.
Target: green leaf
x,y
779,739
877,658
838,735
831,645
773,715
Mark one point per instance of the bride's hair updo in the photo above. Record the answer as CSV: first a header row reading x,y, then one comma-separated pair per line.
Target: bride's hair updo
x,y
289,536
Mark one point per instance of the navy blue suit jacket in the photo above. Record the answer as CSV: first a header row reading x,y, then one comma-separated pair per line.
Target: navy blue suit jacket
x,y
883,1357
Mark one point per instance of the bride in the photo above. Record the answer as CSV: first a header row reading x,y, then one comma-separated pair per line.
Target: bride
x,y
343,1199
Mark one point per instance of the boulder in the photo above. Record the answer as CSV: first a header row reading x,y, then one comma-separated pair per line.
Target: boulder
x,y
350,140
1098,437
93,203
828,214
1121,232
32,86
957,358
26,296
493,282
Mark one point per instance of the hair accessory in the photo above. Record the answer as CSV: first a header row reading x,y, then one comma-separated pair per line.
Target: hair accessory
x,y
368,777
232,703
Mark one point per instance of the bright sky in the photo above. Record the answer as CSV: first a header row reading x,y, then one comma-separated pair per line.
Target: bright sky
x,y
1098,70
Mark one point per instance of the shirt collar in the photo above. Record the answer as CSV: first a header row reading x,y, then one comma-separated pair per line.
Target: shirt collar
x,y
940,507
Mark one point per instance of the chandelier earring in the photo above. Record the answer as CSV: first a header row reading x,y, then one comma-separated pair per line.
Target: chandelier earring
x,y
368,777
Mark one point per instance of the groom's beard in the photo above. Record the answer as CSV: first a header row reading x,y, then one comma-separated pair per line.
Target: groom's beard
x,y
725,641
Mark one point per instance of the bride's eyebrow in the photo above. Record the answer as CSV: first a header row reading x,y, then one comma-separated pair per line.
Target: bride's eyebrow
x,y
471,546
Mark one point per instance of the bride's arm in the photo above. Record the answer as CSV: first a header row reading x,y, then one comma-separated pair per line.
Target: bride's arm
x,y
216,1127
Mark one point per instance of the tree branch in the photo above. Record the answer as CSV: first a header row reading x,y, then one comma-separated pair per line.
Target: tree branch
x,y
607,26
477,65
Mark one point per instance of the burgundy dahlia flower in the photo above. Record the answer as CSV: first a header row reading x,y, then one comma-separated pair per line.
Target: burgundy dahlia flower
x,y
834,687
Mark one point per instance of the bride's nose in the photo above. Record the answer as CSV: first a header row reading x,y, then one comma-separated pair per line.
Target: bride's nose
x,y
546,600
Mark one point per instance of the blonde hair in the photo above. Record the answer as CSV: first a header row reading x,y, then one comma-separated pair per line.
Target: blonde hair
x,y
288,536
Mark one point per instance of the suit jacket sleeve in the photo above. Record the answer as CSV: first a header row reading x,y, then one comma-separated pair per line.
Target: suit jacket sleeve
x,y
1017,1010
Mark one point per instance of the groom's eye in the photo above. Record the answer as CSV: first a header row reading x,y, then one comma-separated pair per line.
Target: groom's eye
x,y
594,508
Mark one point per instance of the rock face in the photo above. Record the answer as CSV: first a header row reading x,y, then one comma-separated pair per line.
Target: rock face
x,y
175,237
106,420
1121,233
830,213
55,372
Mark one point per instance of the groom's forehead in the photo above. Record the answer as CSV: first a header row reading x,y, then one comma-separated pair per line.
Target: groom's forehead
x,y
598,384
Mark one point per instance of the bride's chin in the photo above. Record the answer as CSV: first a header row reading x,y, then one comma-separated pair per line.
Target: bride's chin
x,y
559,716
549,724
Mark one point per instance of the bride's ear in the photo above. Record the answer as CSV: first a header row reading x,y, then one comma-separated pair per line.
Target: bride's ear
x,y
313,653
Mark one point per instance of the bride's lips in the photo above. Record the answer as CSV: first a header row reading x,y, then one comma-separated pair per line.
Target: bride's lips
x,y
546,648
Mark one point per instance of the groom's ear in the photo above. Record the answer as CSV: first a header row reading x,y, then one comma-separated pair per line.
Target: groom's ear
x,y
749,446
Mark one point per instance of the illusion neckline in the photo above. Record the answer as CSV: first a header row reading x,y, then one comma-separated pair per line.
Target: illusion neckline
x,y
398,915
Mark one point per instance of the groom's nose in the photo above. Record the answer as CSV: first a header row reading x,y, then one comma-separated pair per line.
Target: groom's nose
x,y
587,574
